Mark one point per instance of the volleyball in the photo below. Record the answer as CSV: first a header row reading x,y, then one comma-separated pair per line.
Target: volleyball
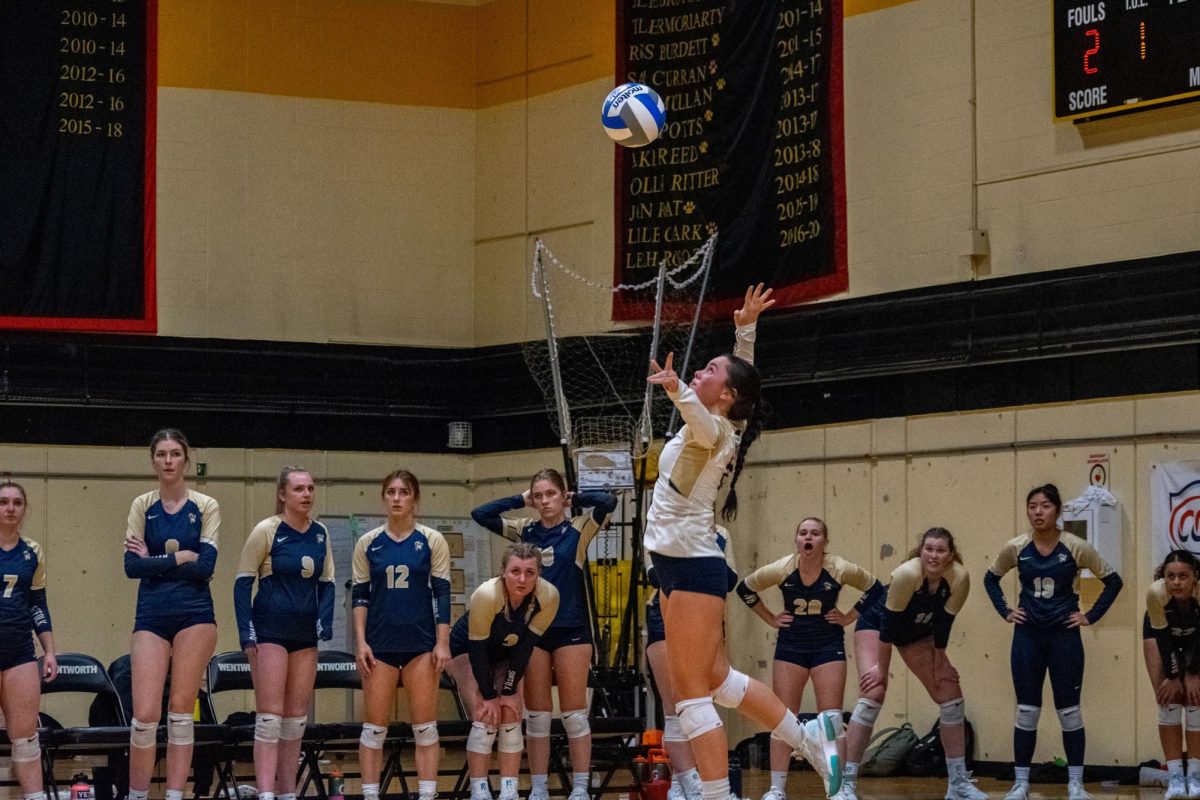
x,y
633,115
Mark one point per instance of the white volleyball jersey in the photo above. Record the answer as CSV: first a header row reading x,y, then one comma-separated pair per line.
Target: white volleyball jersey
x,y
681,520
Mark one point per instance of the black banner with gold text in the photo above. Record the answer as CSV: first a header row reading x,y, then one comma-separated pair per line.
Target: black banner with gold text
x,y
77,125
753,147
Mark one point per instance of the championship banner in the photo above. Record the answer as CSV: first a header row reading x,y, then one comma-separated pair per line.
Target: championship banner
x,y
753,148
78,92
1175,507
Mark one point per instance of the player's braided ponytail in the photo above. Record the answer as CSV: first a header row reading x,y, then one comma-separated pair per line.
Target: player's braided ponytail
x,y
749,407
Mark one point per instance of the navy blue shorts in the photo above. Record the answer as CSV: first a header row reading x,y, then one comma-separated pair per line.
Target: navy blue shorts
x,y
872,620
565,637
459,637
395,659
702,575
809,658
655,632
291,645
167,626
16,656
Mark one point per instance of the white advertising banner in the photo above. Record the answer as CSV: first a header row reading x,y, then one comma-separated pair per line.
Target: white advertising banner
x,y
1175,507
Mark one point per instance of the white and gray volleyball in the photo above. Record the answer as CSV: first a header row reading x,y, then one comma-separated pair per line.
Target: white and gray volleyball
x,y
633,115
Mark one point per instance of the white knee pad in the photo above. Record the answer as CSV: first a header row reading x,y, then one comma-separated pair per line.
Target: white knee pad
x,y
1171,714
266,728
1191,718
672,730
292,728
1071,718
180,728
730,693
481,738
865,712
697,716
1027,717
576,723
537,724
425,733
28,749
509,739
372,736
142,734
952,712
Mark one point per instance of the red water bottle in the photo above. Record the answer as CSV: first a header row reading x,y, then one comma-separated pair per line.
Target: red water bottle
x,y
81,788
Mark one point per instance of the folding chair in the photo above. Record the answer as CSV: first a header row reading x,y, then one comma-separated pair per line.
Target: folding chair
x,y
229,672
335,670
82,674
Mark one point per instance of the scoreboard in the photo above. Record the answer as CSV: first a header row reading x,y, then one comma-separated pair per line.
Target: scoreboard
x,y
1115,55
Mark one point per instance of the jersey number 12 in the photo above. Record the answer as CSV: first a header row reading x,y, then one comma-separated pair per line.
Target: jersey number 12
x,y
397,576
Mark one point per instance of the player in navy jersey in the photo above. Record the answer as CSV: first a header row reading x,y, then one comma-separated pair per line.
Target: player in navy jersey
x,y
564,654
491,645
925,595
1171,645
723,414
291,556
171,548
402,629
23,614
1047,620
812,637
685,779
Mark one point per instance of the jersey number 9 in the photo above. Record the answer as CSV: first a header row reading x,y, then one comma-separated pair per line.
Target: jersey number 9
x,y
307,567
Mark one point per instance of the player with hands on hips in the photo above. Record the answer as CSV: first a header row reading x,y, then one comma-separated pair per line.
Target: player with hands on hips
x,y
171,549
1046,625
1171,646
490,647
291,556
924,597
723,413
24,614
401,600
812,639
565,524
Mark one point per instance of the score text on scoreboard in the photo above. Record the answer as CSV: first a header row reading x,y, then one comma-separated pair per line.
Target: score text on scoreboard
x,y
1116,55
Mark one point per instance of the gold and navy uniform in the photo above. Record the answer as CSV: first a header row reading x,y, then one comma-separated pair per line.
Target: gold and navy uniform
x,y
23,606
294,603
170,591
809,603
564,546
914,610
1049,583
1174,625
493,632
405,587
691,468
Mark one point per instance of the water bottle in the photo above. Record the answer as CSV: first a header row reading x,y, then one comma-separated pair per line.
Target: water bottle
x,y
735,776
337,785
81,788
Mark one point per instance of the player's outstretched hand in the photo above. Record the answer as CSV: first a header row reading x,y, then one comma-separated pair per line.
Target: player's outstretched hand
x,y
665,375
757,301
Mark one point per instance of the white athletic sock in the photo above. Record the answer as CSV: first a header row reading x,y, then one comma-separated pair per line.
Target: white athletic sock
x,y
691,780
271,795
139,794
779,780
790,730
1175,766
480,786
1022,774
427,788
370,791
508,786
538,781
35,796
288,796
581,780
1075,773
850,771
956,767
1193,766
715,790
174,794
